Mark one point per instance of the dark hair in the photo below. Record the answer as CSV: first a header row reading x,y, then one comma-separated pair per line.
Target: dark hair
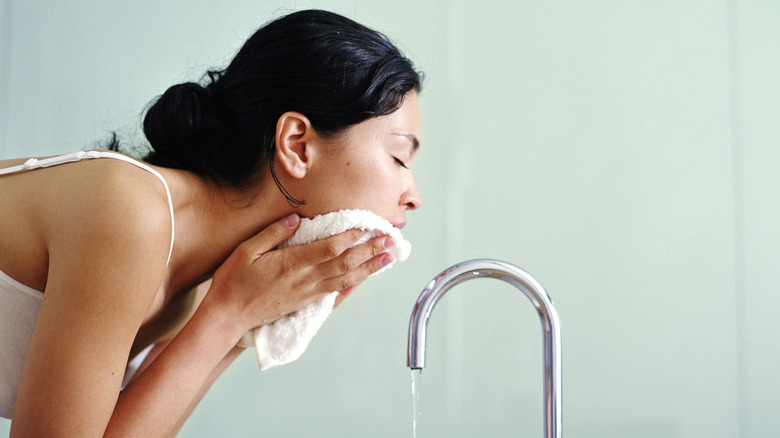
x,y
331,69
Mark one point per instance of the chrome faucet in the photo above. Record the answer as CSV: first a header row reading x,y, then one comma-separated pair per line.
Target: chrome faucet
x,y
515,276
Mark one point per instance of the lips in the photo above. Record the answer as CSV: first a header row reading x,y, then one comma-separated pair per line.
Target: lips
x,y
400,225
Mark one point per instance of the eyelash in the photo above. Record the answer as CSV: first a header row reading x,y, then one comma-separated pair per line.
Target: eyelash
x,y
400,163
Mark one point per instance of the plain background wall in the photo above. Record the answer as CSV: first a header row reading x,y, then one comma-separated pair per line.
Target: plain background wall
x,y
622,152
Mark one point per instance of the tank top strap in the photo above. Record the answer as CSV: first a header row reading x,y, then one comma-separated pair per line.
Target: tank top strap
x,y
34,163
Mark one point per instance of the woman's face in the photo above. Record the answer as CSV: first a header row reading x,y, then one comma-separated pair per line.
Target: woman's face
x,y
369,167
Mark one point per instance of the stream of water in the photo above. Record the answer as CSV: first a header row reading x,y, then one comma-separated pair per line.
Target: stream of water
x,y
416,375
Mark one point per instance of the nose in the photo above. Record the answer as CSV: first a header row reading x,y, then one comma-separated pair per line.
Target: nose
x,y
411,198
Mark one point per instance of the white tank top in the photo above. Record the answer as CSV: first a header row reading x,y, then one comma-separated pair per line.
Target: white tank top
x,y
20,304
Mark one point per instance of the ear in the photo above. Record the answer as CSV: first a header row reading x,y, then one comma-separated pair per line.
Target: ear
x,y
294,134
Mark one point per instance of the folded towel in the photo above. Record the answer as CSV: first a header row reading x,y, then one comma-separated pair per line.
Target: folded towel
x,y
286,339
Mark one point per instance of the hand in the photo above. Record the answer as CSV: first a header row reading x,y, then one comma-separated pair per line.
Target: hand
x,y
261,284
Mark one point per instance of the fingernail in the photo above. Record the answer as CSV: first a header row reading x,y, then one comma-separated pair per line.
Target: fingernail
x,y
386,260
389,243
291,220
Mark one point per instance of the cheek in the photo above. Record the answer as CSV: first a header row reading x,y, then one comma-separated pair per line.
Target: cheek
x,y
368,187
362,173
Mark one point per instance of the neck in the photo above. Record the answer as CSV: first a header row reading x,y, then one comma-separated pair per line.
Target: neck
x,y
211,221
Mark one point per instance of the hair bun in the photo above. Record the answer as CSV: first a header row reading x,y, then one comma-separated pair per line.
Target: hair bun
x,y
183,129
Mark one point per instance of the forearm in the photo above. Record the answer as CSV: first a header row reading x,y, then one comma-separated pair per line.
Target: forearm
x,y
159,400
234,353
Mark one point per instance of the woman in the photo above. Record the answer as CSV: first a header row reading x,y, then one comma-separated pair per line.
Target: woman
x,y
101,258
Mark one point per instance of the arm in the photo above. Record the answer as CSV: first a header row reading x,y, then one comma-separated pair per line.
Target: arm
x,y
221,367
106,259
254,286
234,353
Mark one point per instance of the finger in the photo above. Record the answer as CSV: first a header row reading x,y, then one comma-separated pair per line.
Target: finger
x,y
355,257
355,276
327,249
271,236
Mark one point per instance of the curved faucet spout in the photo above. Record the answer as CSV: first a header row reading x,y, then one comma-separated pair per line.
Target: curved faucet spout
x,y
515,276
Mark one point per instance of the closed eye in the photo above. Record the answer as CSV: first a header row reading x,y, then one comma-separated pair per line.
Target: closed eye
x,y
401,163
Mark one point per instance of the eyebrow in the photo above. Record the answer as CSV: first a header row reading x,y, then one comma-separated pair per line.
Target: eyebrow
x,y
412,138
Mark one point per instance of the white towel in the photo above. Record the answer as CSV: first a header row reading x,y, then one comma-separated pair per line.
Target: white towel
x,y
286,339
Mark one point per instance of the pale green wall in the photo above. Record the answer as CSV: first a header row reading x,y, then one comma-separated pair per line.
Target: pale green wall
x,y
624,153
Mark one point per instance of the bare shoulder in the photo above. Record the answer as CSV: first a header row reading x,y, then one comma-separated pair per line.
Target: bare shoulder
x,y
111,217
108,234
109,201
91,209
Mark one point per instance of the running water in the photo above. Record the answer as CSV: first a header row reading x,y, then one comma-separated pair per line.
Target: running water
x,y
416,377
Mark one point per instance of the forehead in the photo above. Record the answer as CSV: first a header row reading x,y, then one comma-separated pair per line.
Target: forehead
x,y
402,124
409,113
405,121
